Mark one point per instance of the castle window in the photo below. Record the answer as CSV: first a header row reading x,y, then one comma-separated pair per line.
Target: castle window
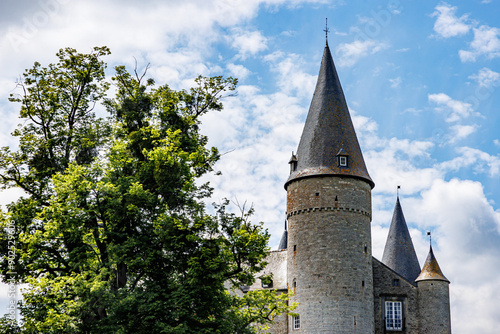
x,y
294,283
393,316
395,282
296,322
342,158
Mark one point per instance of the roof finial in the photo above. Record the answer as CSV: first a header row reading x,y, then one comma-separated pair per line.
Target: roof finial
x,y
430,238
397,191
326,30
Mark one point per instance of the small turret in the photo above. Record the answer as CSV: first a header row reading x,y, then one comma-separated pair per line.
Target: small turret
x,y
433,298
399,253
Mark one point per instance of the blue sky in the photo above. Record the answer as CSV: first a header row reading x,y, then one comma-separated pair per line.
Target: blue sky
x,y
421,80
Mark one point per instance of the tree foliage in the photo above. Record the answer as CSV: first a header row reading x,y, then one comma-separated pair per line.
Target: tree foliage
x,y
113,235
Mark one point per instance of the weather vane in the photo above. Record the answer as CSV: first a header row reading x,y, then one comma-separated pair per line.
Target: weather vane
x,y
326,30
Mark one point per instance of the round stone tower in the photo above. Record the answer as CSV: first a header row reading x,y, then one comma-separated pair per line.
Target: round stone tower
x,y
433,298
329,213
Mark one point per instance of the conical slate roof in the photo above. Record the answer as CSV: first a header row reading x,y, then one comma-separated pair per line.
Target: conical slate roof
x,y
328,132
431,270
399,253
284,241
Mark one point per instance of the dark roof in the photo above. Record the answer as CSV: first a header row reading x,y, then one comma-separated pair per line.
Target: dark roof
x,y
328,131
399,253
431,270
284,241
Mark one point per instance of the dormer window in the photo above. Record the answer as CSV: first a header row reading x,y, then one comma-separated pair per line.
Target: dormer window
x,y
342,158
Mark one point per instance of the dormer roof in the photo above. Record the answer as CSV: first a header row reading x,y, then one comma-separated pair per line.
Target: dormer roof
x,y
328,130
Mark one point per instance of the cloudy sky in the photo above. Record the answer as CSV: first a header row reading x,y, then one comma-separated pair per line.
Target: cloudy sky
x,y
421,79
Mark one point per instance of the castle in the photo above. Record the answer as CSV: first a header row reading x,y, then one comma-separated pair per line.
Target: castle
x,y
325,254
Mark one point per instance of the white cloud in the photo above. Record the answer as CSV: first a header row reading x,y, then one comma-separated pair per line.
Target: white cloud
x,y
486,78
466,238
447,23
350,53
461,131
456,110
486,43
480,161
396,82
238,71
291,78
248,42
496,142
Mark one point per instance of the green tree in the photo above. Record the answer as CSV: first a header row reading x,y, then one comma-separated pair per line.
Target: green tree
x,y
113,235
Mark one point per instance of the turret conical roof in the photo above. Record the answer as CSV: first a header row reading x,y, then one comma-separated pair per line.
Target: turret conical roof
x,y
399,253
431,270
328,132
284,239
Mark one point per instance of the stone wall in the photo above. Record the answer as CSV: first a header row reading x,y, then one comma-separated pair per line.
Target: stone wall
x,y
329,254
434,307
276,265
390,286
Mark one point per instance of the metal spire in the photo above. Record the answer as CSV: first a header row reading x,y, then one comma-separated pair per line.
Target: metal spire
x,y
326,30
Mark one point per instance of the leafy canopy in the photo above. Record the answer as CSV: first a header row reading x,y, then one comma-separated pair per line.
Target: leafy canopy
x,y
112,235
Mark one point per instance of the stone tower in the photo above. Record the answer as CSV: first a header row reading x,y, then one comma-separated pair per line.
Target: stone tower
x,y
329,260
433,298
